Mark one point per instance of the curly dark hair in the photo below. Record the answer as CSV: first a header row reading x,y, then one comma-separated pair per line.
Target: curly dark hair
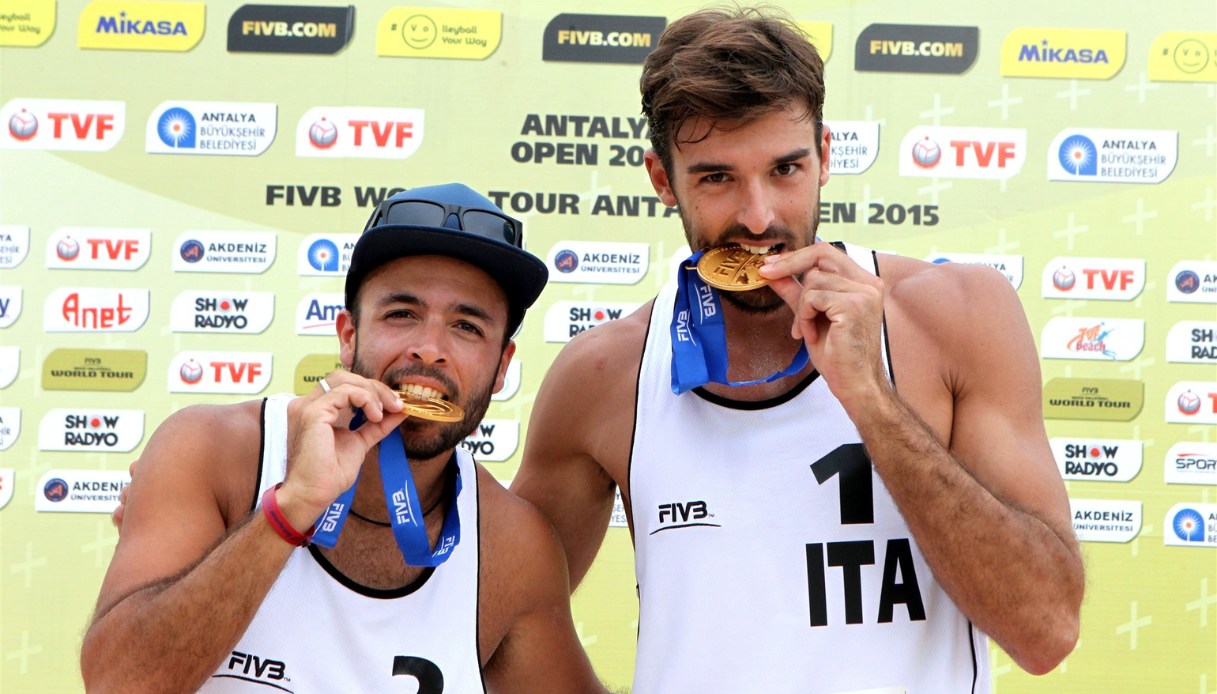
x,y
728,65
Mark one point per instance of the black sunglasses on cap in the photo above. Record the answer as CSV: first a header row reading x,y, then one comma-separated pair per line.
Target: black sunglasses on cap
x,y
427,213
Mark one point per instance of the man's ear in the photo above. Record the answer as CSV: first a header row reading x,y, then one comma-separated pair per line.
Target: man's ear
x,y
825,153
345,326
659,178
504,360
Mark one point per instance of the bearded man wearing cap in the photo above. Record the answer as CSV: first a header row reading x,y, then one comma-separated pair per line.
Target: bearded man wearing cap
x,y
337,541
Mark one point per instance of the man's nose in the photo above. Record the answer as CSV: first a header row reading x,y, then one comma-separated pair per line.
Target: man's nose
x,y
428,344
755,211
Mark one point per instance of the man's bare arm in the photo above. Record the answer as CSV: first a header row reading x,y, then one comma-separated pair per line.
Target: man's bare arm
x,y
571,437
174,602
987,506
541,650
167,598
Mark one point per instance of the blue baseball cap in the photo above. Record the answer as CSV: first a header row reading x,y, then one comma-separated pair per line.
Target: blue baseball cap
x,y
451,220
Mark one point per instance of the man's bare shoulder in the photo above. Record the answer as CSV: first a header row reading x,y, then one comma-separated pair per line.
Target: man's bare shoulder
x,y
216,446
522,559
942,293
611,345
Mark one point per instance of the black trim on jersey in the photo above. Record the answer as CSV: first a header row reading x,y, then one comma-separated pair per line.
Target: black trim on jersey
x,y
391,593
686,525
629,462
250,679
477,603
887,339
253,505
757,404
975,664
380,593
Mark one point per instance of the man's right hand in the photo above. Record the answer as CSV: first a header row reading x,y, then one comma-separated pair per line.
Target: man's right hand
x,y
324,455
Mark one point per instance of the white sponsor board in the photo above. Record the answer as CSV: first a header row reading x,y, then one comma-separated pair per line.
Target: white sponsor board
x,y
80,491
1105,520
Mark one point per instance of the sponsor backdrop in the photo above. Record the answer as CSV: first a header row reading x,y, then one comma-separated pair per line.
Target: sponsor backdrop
x,y
181,184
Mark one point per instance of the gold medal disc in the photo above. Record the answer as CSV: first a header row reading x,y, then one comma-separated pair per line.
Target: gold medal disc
x,y
731,269
434,409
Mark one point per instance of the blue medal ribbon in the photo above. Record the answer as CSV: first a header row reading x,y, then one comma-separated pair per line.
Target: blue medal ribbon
x,y
405,513
699,336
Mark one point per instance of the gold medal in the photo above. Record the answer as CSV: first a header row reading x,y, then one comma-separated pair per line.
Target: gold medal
x,y
731,269
434,409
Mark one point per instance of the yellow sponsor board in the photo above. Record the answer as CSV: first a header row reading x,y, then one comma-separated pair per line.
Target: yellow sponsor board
x,y
107,370
1184,56
26,23
1081,54
311,369
141,26
432,32
1096,399
821,37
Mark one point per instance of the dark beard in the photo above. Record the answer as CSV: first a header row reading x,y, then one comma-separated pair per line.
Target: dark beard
x,y
425,439
759,301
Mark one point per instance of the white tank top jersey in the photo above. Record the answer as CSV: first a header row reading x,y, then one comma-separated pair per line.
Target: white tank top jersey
x,y
318,631
769,555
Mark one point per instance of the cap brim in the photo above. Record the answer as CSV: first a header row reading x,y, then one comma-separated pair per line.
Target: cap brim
x,y
521,274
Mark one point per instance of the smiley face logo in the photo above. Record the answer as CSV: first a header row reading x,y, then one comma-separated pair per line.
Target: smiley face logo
x,y
419,31
1191,56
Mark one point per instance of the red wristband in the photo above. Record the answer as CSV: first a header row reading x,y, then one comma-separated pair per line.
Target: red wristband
x,y
283,528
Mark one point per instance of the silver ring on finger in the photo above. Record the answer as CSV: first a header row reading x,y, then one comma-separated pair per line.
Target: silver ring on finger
x,y
325,387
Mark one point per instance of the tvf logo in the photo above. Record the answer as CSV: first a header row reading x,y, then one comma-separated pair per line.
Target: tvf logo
x,y
357,131
62,124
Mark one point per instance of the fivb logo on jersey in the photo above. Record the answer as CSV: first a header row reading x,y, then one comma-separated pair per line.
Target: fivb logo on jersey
x,y
114,431
1113,279
325,255
245,373
1010,266
85,248
1102,460
211,127
1193,282
222,312
359,131
246,252
62,124
95,310
1113,156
